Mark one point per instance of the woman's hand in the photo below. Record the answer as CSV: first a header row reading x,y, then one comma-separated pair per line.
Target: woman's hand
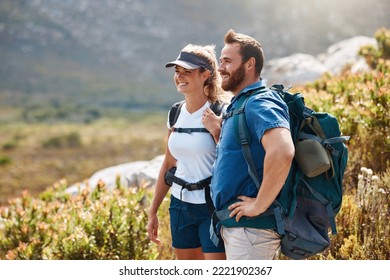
x,y
152,228
212,123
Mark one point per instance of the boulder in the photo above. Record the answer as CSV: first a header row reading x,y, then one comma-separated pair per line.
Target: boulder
x,y
345,53
299,69
292,70
130,174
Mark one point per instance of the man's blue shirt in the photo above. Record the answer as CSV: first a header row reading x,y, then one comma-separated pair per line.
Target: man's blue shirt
x,y
230,179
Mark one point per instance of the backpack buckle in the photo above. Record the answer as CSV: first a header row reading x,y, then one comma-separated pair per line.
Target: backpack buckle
x,y
169,176
244,142
192,186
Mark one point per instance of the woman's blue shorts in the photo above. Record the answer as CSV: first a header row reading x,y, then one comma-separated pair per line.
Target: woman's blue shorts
x,y
190,226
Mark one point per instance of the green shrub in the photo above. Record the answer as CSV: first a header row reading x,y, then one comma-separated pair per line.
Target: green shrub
x,y
372,54
364,220
5,160
11,145
99,224
70,140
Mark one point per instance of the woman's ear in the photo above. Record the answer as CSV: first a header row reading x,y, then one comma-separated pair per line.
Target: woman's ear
x,y
206,75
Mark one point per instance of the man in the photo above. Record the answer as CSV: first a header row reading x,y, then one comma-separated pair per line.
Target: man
x,y
266,114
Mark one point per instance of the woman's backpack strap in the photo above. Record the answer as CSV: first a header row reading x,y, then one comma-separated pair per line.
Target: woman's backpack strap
x,y
174,113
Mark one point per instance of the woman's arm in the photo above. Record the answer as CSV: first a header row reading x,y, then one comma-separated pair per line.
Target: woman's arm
x,y
160,192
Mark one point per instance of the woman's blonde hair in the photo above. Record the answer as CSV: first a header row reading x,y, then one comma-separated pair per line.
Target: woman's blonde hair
x,y
212,86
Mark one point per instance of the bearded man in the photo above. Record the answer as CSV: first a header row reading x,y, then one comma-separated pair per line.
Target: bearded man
x,y
272,149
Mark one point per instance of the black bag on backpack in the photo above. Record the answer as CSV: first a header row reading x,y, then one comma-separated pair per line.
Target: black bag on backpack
x,y
312,194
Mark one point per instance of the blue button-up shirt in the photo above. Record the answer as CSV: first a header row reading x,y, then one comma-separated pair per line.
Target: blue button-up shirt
x,y
230,171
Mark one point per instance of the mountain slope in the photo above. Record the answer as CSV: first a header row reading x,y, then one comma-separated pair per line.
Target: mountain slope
x,y
111,53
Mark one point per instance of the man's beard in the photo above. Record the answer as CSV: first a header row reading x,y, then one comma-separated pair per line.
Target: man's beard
x,y
235,79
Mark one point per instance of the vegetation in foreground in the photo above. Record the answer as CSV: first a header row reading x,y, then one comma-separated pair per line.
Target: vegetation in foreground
x,y
102,224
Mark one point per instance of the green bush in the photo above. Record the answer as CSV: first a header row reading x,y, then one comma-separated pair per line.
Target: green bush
x,y
5,160
374,55
97,225
11,145
364,220
70,140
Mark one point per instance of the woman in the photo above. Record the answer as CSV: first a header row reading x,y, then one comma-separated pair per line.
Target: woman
x,y
189,156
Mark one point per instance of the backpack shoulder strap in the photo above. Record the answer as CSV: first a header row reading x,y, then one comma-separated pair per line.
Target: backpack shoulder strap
x,y
174,112
217,107
243,135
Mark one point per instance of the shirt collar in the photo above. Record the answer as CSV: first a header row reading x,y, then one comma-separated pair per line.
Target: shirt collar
x,y
256,85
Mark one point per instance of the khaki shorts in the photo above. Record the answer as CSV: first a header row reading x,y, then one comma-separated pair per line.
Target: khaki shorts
x,y
242,243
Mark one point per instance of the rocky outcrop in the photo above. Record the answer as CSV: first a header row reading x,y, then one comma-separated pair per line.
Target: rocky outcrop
x,y
292,70
345,53
129,174
299,69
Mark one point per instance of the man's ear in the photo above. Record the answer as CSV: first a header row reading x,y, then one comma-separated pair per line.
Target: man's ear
x,y
251,63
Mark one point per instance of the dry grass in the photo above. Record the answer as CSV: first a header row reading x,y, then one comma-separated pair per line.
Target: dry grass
x,y
39,155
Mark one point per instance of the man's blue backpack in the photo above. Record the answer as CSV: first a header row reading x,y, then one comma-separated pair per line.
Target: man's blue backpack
x,y
311,197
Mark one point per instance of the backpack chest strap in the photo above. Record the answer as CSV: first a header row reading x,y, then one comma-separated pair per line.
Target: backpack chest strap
x,y
189,130
171,178
233,112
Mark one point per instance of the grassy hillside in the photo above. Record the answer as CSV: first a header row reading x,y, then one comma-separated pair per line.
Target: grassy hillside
x,y
34,156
